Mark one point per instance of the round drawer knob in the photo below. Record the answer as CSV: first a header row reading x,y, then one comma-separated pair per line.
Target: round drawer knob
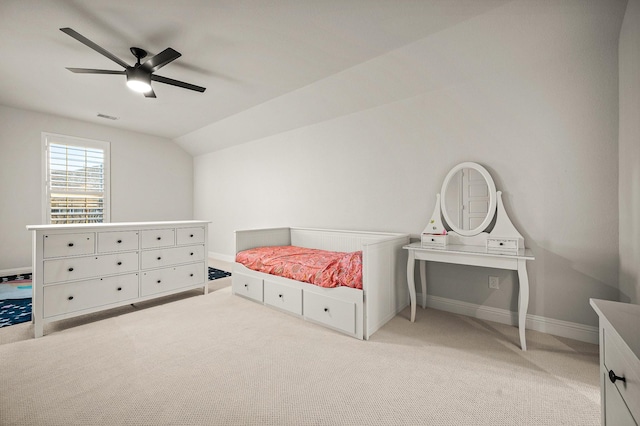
x,y
280,296
501,244
70,269
70,244
191,236
433,239
70,298
326,309
119,288
159,258
191,254
190,275
119,263
119,241
159,281
613,377
159,238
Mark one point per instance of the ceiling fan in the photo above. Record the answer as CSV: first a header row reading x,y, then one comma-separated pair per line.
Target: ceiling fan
x,y
140,75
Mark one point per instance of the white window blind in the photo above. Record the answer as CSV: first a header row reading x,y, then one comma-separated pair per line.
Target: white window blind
x,y
77,180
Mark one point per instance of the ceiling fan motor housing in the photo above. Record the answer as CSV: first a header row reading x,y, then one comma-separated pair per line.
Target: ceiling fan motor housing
x,y
137,76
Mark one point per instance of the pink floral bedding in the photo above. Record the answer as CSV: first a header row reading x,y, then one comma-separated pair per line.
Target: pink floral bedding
x,y
319,267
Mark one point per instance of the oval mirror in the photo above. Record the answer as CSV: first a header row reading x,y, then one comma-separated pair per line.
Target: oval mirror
x,y
468,199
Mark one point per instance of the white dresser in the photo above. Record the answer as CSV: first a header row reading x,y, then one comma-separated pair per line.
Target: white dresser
x,y
619,361
85,268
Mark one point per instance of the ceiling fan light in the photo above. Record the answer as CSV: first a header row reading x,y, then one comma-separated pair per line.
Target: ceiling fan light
x,y
138,80
138,86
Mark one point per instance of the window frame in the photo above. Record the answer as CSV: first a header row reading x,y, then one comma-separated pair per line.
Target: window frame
x,y
49,138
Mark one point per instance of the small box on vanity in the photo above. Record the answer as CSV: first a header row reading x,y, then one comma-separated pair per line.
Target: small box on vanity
x,y
434,240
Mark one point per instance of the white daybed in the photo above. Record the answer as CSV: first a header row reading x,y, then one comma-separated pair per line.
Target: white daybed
x,y
355,312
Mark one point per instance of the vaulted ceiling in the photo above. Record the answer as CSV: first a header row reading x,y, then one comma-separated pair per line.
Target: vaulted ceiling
x,y
246,53
243,52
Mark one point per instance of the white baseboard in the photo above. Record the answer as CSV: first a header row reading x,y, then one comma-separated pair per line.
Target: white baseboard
x,y
15,271
222,257
571,330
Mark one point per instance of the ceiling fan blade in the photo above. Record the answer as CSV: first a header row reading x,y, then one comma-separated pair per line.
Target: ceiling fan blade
x,y
82,39
173,82
92,71
150,94
161,59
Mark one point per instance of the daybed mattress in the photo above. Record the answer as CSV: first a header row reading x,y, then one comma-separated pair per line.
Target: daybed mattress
x,y
319,267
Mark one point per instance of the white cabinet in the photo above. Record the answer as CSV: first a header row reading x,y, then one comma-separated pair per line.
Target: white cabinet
x,y
79,269
619,362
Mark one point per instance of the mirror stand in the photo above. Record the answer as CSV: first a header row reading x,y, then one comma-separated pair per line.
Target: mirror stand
x,y
503,238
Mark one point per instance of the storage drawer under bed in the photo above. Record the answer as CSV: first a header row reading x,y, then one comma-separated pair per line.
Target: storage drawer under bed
x,y
247,286
283,297
336,313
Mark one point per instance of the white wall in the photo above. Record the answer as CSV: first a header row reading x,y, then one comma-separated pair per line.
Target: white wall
x,y
151,177
629,151
529,90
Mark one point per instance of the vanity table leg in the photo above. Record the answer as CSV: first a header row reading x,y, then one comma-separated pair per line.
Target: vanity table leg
x,y
423,282
411,264
523,301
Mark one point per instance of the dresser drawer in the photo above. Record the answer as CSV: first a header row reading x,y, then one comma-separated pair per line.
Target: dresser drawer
x,y
171,256
72,297
78,268
283,297
167,279
62,245
619,360
616,412
247,286
189,236
152,238
335,313
117,241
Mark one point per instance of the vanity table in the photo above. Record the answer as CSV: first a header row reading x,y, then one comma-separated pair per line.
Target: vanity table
x,y
469,205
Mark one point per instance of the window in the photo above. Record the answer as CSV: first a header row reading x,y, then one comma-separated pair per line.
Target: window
x,y
76,180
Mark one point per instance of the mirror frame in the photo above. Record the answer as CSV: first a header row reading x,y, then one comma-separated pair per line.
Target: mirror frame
x,y
492,199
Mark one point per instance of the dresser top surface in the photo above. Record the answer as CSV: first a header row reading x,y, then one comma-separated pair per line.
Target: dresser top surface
x,y
98,226
624,318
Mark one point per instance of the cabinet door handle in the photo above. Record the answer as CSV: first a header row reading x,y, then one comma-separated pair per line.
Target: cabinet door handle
x,y
70,269
70,244
613,377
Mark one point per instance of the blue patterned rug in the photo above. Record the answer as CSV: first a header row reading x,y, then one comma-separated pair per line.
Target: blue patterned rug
x,y
15,299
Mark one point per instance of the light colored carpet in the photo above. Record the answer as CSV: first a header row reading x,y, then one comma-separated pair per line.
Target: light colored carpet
x,y
224,360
